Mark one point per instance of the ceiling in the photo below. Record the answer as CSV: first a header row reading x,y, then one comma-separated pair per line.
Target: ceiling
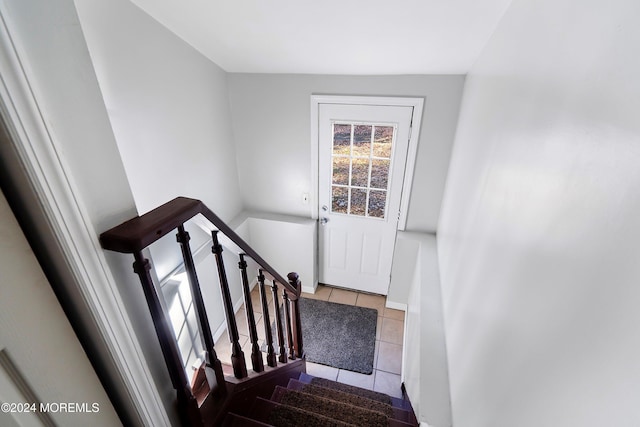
x,y
334,36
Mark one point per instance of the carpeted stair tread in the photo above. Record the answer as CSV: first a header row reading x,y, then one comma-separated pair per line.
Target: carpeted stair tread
x,y
369,394
235,420
356,400
279,415
350,398
330,408
395,402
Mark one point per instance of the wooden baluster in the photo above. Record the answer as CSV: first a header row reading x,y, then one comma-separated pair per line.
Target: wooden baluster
x,y
282,351
188,405
256,355
237,355
271,354
287,319
198,304
294,281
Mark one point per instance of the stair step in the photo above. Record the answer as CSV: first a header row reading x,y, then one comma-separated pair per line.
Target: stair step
x,y
322,382
278,415
329,408
235,420
356,400
316,402
345,412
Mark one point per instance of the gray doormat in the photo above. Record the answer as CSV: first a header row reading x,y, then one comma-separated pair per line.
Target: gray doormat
x,y
338,335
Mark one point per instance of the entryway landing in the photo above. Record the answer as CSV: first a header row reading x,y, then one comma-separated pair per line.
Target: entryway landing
x,y
389,339
388,346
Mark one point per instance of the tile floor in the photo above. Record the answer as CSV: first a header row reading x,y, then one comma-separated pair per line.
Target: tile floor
x,y
389,337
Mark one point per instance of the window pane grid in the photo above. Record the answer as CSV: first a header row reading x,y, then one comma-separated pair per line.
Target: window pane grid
x,y
356,187
366,206
368,152
177,296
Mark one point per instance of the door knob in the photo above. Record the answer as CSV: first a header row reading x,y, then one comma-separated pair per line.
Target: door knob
x,y
323,221
325,208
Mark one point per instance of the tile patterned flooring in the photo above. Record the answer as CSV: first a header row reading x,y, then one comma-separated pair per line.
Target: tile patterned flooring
x,y
389,338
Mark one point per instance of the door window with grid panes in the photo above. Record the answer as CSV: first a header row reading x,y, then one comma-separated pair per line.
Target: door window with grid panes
x,y
361,159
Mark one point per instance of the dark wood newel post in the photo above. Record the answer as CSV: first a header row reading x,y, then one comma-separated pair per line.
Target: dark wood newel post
x,y
287,319
168,344
212,360
294,280
237,355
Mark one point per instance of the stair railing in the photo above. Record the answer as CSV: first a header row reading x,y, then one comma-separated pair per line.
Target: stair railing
x,y
135,235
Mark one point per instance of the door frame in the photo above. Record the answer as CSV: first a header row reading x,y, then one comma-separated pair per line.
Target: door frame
x,y
414,134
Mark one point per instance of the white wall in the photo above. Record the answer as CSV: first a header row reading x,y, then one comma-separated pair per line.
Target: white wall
x,y
37,336
168,106
288,244
271,124
424,362
539,232
53,51
56,57
405,258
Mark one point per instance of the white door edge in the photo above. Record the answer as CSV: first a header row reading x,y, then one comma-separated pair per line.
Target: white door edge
x,y
416,102
55,188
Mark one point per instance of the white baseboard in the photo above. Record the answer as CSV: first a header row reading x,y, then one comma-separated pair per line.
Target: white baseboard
x,y
396,305
218,333
309,289
425,424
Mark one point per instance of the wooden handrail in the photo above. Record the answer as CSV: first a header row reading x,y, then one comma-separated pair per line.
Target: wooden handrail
x,y
141,231
195,397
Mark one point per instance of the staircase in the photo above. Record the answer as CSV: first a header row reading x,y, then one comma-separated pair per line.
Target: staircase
x,y
275,393
318,402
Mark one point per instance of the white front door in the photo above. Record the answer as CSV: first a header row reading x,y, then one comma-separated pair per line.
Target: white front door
x,y
362,157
